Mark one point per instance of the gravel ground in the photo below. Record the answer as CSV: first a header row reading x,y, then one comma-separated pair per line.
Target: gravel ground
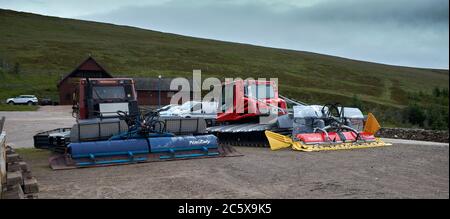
x,y
399,171
405,170
22,126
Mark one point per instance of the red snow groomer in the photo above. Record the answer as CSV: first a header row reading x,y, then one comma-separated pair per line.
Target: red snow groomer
x,y
249,100
245,110
254,114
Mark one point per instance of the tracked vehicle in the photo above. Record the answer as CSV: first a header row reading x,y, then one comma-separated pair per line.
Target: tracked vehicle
x,y
254,114
111,130
245,113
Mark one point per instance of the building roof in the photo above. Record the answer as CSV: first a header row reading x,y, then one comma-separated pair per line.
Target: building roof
x,y
89,65
151,84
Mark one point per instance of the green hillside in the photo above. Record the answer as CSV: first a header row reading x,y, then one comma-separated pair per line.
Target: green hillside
x,y
35,51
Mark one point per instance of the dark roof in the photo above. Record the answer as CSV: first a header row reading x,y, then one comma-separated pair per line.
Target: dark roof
x,y
88,65
151,84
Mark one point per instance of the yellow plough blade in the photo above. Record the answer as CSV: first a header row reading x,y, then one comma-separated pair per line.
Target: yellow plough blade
x,y
298,146
278,141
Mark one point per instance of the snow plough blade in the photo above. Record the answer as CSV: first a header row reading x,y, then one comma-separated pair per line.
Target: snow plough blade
x,y
299,146
278,141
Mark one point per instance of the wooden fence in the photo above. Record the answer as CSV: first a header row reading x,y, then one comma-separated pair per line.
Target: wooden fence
x,y
2,123
2,154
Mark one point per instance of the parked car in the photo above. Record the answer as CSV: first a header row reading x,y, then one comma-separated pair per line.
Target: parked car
x,y
23,99
192,109
168,110
46,102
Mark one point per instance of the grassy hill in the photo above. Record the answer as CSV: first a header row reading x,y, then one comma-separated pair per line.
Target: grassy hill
x,y
35,51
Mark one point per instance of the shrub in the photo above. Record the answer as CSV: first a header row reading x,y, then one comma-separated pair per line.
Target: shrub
x,y
436,92
444,92
437,118
357,103
415,115
16,69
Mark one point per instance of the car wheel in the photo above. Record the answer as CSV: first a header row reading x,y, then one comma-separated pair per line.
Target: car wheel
x,y
11,103
30,103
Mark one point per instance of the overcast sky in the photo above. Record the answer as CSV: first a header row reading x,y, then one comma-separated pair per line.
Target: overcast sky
x,y
398,32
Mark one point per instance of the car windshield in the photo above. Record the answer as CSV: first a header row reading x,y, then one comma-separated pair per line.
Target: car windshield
x,y
260,91
167,108
109,92
189,105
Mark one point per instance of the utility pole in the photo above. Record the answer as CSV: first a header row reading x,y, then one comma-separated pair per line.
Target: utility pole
x,y
159,91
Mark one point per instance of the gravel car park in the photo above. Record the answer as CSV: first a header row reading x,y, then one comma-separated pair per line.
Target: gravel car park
x,y
407,169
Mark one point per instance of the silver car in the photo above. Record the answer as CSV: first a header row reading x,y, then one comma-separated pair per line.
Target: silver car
x,y
23,99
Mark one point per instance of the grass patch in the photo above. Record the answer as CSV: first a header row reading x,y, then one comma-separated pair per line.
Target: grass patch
x,y
33,154
7,107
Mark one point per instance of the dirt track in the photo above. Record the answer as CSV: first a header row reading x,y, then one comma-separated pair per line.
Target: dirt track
x,y
405,170
400,171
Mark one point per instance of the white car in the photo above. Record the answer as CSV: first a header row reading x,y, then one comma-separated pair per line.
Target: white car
x,y
192,109
168,110
23,99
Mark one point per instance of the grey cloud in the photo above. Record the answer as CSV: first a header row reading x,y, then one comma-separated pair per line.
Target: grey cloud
x,y
401,32
408,12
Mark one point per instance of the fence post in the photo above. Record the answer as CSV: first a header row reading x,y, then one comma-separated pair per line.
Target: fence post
x,y
2,155
2,123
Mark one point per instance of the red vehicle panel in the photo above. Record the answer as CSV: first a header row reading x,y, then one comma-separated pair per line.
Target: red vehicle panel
x,y
251,99
318,138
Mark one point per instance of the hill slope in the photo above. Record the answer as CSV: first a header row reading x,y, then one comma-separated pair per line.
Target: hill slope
x,y
46,48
